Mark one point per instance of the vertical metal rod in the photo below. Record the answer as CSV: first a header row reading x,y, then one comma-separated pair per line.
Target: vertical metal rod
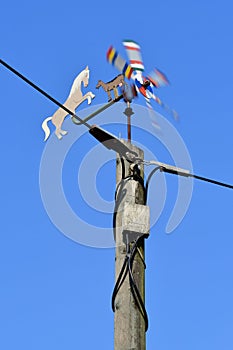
x,y
129,128
128,112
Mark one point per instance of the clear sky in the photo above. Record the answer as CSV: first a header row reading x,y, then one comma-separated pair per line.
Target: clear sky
x,y
56,289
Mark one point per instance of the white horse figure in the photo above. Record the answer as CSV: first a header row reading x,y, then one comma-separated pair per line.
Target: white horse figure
x,y
74,99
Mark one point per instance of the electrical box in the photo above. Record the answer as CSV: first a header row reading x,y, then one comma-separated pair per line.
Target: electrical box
x,y
135,221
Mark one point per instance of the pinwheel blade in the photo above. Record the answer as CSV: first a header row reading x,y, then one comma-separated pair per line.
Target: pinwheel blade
x,y
133,51
157,78
117,61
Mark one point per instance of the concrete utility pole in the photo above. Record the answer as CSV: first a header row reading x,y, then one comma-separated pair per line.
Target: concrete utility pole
x,y
131,224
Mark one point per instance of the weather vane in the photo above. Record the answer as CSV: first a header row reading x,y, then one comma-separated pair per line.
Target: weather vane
x,y
133,71
141,84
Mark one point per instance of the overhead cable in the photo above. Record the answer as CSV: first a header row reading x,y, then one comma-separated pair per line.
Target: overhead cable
x,y
21,76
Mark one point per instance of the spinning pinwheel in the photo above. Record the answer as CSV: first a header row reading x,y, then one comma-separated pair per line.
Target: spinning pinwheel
x,y
134,70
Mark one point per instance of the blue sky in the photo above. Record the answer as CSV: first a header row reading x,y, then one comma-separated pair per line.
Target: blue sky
x,y
55,292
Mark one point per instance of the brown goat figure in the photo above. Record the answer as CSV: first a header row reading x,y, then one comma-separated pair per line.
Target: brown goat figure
x,y
111,85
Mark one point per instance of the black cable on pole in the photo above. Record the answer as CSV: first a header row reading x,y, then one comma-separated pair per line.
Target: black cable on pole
x,y
21,76
127,269
137,177
120,280
119,198
137,297
131,249
119,195
148,181
121,277
185,174
136,294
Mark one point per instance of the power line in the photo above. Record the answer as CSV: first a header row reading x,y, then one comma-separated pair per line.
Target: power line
x,y
211,181
177,171
206,179
96,131
21,76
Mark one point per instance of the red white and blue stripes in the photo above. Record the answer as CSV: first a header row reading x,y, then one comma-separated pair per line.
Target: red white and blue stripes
x,y
134,69
134,53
